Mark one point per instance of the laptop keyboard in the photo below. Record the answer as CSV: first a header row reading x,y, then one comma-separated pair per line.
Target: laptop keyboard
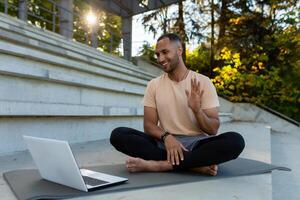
x,y
92,181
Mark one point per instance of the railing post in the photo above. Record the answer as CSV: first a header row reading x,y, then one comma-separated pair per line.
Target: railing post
x,y
22,11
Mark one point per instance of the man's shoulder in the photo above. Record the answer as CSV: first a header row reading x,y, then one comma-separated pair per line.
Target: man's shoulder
x,y
158,79
199,76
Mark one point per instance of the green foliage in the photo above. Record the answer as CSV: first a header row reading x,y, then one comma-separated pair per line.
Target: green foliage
x,y
156,20
12,9
267,40
258,85
109,28
148,51
40,14
198,59
110,35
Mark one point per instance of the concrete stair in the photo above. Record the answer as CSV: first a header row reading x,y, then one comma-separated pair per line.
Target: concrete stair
x,y
54,87
225,117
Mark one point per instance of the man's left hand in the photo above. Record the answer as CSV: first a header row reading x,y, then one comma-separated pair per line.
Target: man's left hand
x,y
194,96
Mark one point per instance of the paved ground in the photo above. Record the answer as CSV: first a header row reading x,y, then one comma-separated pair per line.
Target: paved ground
x,y
285,151
101,153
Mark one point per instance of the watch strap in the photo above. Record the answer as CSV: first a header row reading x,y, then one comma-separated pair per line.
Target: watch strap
x,y
164,136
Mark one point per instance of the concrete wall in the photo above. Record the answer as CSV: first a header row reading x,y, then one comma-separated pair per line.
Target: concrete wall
x,y
251,113
144,64
54,87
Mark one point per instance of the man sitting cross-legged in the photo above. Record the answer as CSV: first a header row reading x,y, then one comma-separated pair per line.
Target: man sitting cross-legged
x,y
180,121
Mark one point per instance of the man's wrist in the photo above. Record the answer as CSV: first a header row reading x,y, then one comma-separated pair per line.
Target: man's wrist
x,y
164,136
196,111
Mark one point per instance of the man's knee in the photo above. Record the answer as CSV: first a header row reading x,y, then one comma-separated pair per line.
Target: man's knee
x,y
117,135
237,143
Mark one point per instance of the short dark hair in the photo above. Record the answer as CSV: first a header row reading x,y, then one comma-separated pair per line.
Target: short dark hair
x,y
171,36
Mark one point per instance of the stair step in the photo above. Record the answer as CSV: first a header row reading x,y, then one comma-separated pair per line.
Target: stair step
x,y
225,117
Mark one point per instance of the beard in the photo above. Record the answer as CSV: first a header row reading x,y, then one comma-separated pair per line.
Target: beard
x,y
173,64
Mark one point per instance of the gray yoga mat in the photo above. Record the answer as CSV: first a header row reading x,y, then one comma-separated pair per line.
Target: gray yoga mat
x,y
27,184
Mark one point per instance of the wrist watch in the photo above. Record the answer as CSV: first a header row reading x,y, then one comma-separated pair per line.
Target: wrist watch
x,y
164,136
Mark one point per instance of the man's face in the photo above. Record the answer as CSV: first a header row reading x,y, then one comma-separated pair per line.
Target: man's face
x,y
167,53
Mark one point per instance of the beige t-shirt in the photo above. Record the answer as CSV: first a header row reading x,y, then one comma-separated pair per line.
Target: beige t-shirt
x,y
169,99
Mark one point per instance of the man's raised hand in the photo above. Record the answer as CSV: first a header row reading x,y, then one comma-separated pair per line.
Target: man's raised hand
x,y
194,96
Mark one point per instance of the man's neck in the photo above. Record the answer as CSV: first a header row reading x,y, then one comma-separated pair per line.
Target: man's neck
x,y
179,73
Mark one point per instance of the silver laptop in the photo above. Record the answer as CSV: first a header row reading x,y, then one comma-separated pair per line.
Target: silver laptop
x,y
56,163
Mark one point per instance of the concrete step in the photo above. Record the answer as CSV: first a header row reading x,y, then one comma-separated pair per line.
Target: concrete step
x,y
46,41
81,127
259,187
225,117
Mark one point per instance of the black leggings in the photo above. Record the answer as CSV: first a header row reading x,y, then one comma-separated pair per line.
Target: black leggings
x,y
209,151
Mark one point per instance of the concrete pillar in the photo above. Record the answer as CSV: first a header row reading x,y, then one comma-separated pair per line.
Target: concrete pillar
x,y
127,36
95,35
66,18
6,6
22,10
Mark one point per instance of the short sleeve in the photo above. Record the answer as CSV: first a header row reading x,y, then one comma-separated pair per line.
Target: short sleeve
x,y
149,97
210,97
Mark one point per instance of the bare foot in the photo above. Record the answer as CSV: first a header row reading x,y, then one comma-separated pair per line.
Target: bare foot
x,y
208,170
141,165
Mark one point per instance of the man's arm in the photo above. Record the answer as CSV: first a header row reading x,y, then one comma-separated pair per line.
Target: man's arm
x,y
208,120
151,121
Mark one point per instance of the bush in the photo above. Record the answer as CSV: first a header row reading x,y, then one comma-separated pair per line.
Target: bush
x,y
258,85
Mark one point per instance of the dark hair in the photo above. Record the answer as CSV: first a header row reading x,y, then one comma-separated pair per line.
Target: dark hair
x,y
172,37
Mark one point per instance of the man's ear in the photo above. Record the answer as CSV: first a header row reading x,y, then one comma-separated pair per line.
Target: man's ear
x,y
179,51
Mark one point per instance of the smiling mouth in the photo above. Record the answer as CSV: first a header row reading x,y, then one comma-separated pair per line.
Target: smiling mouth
x,y
164,65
